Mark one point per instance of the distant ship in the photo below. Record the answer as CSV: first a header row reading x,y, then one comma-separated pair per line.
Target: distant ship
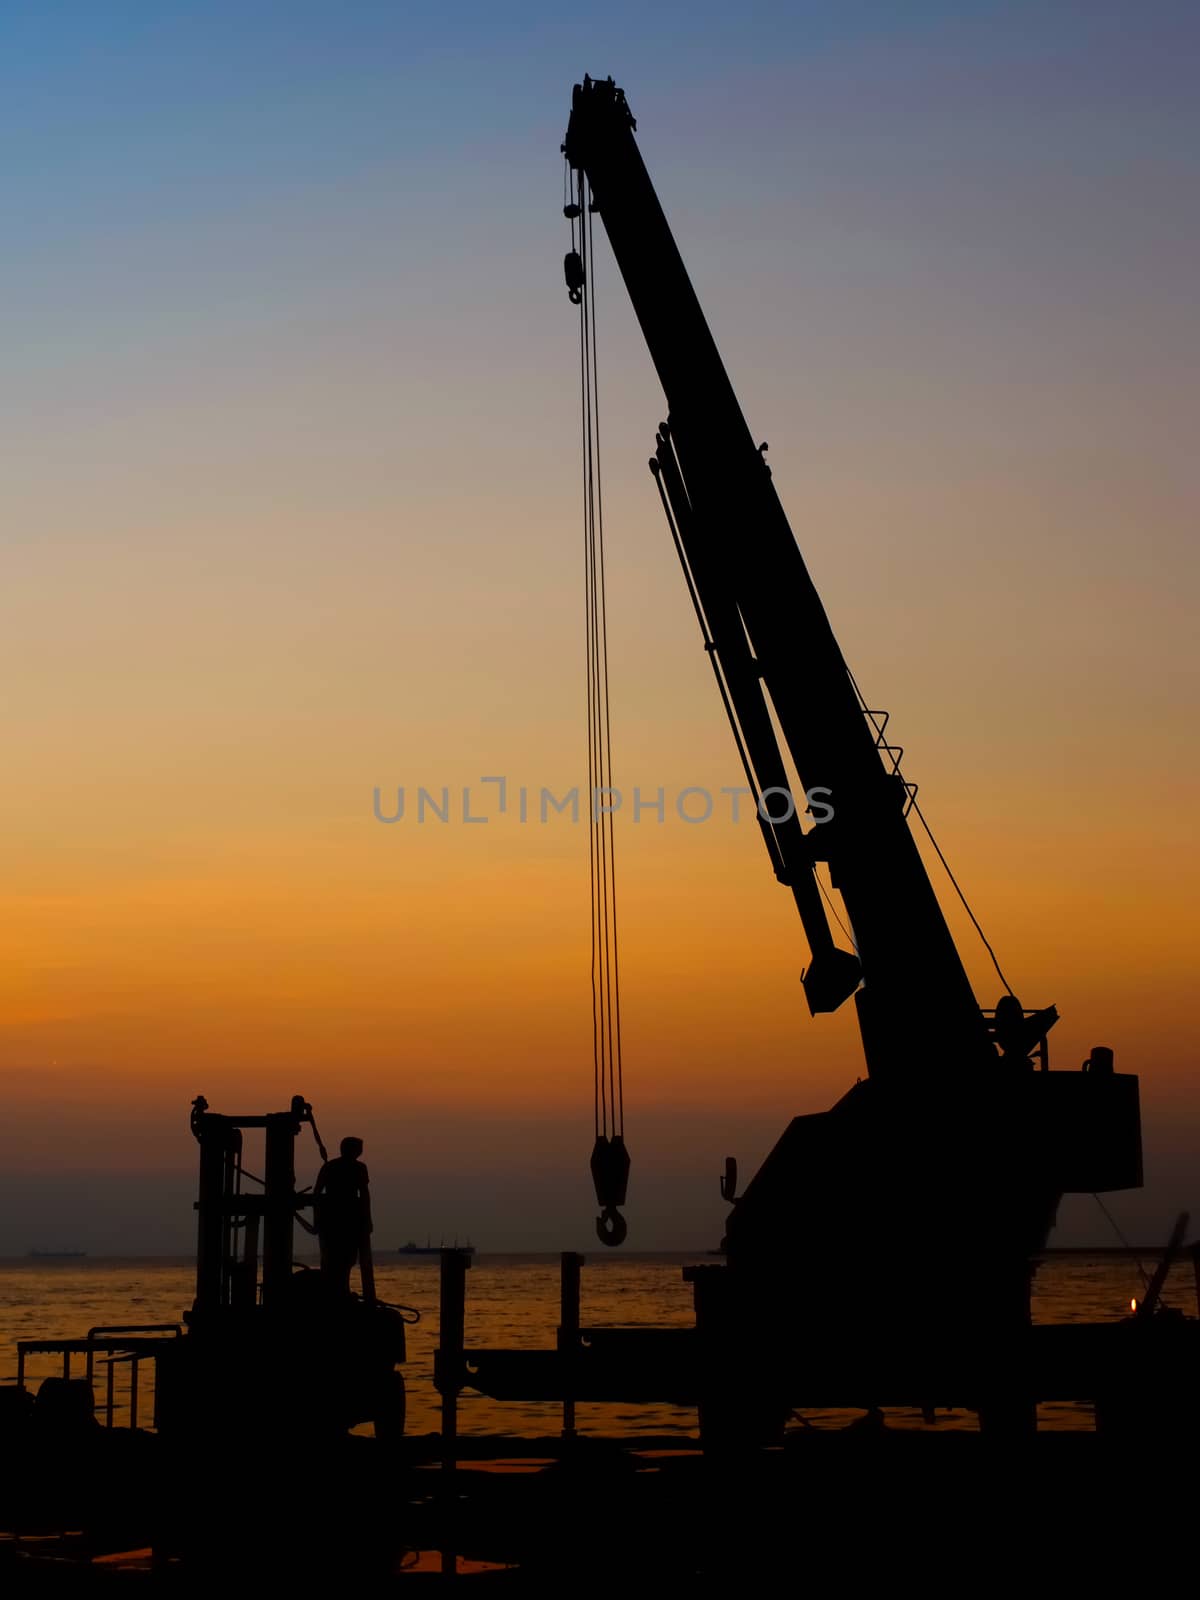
x,y
427,1249
57,1255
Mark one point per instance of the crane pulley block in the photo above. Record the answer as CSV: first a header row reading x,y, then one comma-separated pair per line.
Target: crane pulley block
x,y
610,1175
575,276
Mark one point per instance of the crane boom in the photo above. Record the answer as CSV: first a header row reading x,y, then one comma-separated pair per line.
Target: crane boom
x,y
775,648
947,1162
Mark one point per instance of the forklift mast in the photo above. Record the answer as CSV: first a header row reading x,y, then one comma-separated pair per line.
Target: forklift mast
x,y
239,1226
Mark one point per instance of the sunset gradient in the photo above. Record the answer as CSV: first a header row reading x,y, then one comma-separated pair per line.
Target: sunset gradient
x,y
292,513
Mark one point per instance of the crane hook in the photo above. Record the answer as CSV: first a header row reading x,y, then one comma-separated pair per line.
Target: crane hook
x,y
610,1176
611,1227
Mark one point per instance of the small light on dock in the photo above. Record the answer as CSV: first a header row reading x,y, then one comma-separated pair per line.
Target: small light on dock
x,y
1133,1305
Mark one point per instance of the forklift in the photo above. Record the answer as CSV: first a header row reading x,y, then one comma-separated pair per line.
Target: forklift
x,y
269,1341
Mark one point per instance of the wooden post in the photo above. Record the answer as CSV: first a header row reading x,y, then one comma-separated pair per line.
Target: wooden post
x,y
568,1335
448,1375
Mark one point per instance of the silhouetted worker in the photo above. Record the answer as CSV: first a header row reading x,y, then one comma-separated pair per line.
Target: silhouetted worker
x,y
342,1202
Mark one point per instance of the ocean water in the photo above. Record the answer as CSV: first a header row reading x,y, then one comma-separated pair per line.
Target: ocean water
x,y
512,1301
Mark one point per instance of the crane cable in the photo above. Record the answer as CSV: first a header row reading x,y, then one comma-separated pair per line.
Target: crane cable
x,y
610,1160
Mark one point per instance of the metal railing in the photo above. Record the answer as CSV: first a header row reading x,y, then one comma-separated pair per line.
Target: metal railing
x,y
114,1344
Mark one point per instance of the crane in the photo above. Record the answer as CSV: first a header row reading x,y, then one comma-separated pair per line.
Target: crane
x,y
931,1184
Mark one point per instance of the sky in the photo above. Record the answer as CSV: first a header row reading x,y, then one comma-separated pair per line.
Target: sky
x,y
291,514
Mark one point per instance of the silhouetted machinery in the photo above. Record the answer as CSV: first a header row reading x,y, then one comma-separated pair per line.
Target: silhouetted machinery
x,y
270,1344
882,1254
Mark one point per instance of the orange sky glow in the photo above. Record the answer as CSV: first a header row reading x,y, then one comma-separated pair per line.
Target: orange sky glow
x,y
294,514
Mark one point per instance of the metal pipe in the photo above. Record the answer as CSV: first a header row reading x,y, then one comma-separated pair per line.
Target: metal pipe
x,y
249,1282
568,1335
213,1133
448,1374
279,1175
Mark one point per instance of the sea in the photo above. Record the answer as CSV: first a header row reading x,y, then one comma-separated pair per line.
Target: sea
x,y
512,1301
